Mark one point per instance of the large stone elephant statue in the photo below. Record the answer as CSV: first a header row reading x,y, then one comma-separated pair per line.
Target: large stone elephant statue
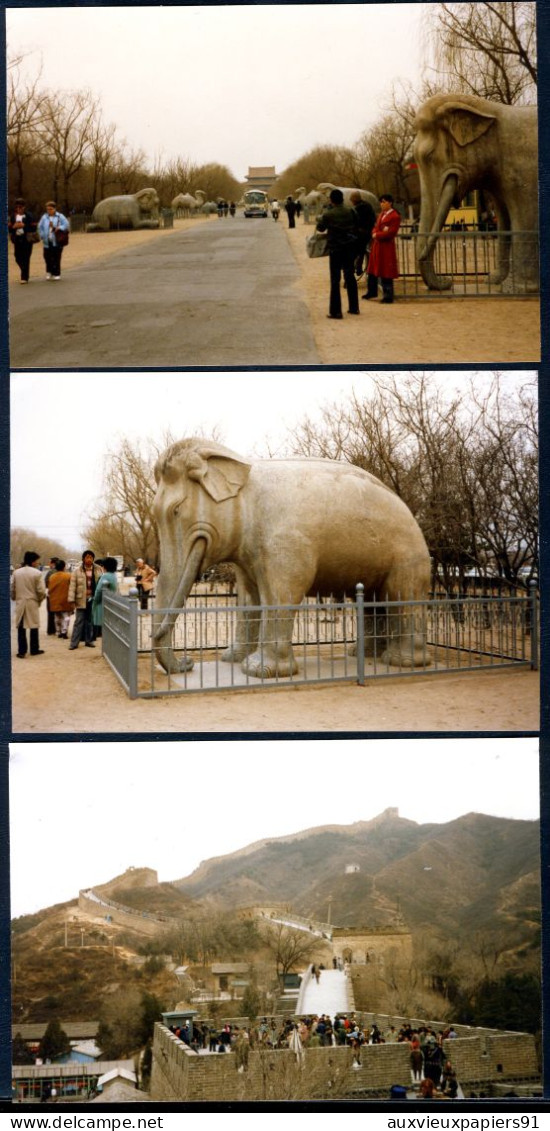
x,y
325,188
135,210
464,143
290,528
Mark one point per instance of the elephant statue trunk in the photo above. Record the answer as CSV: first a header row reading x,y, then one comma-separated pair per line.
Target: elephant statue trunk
x,y
429,232
163,627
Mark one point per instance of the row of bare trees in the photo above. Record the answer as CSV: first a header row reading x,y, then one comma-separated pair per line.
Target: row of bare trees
x,y
60,146
464,459
487,49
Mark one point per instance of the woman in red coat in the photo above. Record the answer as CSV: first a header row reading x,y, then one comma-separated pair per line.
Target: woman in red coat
x,y
383,256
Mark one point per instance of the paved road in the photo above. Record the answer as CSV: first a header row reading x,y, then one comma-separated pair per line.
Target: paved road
x,y
220,294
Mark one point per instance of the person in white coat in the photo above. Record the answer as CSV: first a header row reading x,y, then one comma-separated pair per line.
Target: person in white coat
x,y
28,591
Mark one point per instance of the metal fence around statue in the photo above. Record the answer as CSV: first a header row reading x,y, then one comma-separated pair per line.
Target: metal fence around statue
x,y
344,640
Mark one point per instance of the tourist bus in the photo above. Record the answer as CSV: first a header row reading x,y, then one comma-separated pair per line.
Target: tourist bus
x,y
256,202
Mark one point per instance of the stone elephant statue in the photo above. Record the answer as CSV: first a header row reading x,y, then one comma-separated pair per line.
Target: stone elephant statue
x,y
463,143
290,528
325,188
135,210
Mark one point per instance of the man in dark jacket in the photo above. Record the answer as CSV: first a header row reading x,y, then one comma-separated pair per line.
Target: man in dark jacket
x,y
290,209
340,223
365,224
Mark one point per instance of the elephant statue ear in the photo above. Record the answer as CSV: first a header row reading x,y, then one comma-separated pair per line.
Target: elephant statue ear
x,y
466,125
220,471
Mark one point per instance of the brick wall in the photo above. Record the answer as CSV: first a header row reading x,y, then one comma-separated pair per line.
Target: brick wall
x,y
181,1075
178,1074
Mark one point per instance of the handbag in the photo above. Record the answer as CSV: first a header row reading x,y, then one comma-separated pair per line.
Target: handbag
x,y
317,245
61,236
33,237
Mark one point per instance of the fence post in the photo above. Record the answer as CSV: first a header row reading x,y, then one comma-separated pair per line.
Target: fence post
x,y
360,620
534,627
133,605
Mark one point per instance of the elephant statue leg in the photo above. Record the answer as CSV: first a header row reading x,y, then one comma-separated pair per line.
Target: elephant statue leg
x,y
274,655
405,623
406,639
375,629
397,636
247,627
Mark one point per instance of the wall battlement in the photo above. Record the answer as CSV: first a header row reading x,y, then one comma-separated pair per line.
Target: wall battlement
x,y
179,1074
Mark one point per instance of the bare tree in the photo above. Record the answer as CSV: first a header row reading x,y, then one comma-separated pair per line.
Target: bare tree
x,y
22,539
105,152
386,151
68,129
464,461
130,170
335,164
123,522
177,175
289,946
489,49
26,106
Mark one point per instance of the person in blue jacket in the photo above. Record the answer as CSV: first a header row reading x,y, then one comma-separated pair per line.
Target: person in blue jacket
x,y
50,227
108,580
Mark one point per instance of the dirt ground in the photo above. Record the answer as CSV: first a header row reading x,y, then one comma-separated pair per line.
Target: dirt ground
x,y
414,332
422,331
48,698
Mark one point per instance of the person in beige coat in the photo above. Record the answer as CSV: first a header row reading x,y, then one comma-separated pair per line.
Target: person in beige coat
x,y
28,591
145,579
81,592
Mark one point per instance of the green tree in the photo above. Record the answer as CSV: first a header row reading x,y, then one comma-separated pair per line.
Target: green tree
x,y
252,998
151,1011
20,1053
55,1042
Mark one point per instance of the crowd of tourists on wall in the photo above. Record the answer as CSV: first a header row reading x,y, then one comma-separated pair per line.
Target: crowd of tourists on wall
x,y
67,591
431,1070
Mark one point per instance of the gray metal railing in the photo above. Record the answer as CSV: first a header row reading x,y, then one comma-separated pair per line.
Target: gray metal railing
x,y
120,638
470,259
332,641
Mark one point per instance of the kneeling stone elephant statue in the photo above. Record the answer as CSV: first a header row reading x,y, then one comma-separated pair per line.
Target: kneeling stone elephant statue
x,y
290,528
137,210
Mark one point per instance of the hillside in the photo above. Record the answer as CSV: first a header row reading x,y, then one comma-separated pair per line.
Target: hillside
x,y
476,878
477,871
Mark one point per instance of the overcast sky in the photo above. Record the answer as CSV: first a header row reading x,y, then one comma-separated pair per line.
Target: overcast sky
x,y
240,85
86,812
63,425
